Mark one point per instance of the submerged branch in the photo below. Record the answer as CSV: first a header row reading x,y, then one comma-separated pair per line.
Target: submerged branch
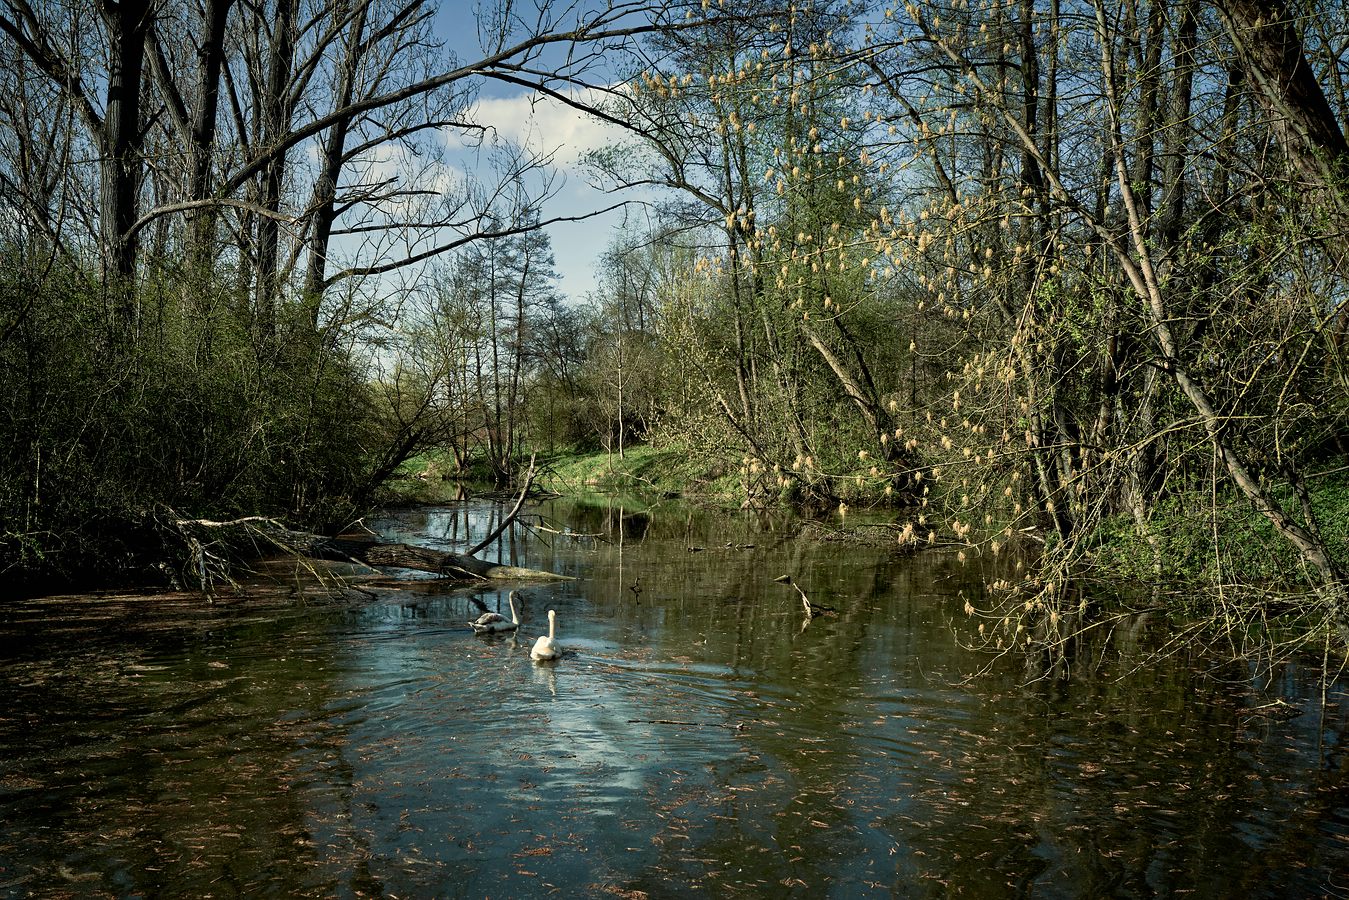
x,y
812,609
212,545
461,566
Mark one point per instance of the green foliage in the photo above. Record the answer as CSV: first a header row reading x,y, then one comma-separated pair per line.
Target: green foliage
x,y
1206,543
644,468
111,432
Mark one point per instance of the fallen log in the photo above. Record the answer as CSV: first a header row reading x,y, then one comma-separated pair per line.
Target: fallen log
x,y
424,559
462,566
259,532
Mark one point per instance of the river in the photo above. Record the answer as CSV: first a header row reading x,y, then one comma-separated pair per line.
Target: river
x,y
699,737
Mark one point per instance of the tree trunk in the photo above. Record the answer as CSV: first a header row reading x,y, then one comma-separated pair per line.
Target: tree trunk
x,y
128,24
1272,56
424,559
276,123
334,151
210,62
1143,278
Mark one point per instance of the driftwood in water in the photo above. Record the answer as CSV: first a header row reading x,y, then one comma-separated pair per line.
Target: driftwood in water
x,y
424,559
812,609
260,532
515,510
463,566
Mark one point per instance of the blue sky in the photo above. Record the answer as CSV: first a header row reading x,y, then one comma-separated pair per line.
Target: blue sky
x,y
549,127
546,127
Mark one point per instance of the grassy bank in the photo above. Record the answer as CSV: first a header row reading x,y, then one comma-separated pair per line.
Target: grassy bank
x,y
1221,540
674,472
432,477
1193,540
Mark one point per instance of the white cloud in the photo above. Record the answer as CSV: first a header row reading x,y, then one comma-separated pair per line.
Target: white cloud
x,y
544,125
412,170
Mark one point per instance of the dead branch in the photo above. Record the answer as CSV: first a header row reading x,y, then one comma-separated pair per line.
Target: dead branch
x,y
812,609
506,522
461,566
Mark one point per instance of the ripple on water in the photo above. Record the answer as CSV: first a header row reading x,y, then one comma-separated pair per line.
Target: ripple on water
x,y
685,744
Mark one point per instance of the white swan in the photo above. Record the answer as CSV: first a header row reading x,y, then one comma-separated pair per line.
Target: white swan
x,y
547,647
490,622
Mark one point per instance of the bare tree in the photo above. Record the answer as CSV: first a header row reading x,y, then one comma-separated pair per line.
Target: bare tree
x,y
114,126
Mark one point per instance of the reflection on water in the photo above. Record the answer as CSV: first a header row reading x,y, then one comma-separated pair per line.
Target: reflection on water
x,y
695,739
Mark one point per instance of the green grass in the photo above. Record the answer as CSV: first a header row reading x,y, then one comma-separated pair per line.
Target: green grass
x,y
1229,543
430,477
643,469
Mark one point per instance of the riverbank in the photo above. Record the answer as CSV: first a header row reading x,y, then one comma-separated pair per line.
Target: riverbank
x,y
1193,538
645,469
642,469
1218,540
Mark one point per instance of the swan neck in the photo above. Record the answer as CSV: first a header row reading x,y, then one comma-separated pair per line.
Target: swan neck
x,y
552,623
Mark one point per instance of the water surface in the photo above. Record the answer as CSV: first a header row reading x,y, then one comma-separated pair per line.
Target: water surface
x,y
697,739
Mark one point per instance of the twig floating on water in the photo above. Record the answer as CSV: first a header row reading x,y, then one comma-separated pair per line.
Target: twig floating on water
x,y
738,726
812,609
